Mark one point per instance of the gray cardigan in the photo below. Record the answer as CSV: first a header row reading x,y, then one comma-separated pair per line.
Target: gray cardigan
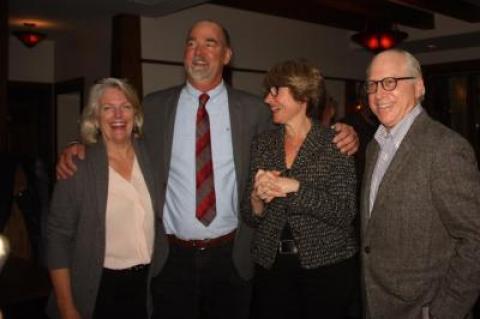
x,y
75,225
320,214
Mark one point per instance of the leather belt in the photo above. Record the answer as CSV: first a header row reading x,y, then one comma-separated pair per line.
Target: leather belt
x,y
140,267
201,244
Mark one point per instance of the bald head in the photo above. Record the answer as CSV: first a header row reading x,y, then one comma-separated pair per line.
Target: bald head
x,y
411,63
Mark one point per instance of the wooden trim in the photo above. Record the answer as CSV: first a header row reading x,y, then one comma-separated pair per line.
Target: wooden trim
x,y
73,85
451,67
3,74
126,50
237,69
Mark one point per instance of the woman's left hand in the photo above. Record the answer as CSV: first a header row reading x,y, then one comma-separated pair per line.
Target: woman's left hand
x,y
270,185
286,184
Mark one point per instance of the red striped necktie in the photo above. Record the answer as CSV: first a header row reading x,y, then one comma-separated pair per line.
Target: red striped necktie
x,y
205,199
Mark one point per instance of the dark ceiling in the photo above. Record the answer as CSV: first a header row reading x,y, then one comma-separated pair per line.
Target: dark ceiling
x,y
356,15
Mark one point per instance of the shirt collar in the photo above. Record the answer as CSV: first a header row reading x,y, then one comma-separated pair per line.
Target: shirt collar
x,y
398,132
213,93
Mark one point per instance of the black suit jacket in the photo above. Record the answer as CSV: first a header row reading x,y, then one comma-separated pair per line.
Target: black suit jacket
x,y
248,116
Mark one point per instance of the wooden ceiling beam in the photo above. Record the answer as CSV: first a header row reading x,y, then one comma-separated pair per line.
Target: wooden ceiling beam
x,y
459,9
383,10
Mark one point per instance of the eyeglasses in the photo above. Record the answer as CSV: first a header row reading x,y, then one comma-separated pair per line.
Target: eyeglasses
x,y
273,91
388,84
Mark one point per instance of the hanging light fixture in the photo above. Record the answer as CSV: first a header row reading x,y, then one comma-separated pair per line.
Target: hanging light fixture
x,y
29,37
379,36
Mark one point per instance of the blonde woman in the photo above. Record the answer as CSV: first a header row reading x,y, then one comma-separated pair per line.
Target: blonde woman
x,y
100,229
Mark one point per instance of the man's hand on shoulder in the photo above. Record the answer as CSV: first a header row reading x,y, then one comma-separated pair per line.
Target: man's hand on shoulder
x,y
346,139
65,166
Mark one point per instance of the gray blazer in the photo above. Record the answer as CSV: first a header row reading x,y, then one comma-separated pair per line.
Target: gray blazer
x,y
421,245
248,116
320,214
75,225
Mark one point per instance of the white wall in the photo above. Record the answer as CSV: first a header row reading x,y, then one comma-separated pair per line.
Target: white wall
x,y
258,41
35,64
446,26
85,51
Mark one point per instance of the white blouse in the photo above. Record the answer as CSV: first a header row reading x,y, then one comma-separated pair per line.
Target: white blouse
x,y
129,221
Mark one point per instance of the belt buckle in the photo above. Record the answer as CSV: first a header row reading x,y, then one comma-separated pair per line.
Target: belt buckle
x,y
287,247
138,267
201,244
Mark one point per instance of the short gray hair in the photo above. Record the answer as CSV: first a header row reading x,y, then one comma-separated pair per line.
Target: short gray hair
x,y
413,66
89,127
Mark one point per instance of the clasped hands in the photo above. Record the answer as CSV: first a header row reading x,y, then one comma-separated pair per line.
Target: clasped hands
x,y
270,184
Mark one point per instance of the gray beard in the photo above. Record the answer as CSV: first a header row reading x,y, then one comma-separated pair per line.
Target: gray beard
x,y
199,75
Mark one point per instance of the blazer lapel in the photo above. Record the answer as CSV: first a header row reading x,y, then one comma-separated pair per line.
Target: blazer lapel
x,y
171,104
239,141
313,141
145,167
371,156
400,160
97,157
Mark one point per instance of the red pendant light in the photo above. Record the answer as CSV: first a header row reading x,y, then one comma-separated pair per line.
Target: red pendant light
x,y
379,37
29,37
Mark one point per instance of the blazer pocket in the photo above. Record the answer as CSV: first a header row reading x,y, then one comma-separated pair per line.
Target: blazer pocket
x,y
408,289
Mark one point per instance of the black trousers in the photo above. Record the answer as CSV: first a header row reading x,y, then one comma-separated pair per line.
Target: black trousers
x,y
122,294
200,284
290,291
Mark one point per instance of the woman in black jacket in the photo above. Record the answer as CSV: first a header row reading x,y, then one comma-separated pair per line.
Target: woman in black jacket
x,y
302,203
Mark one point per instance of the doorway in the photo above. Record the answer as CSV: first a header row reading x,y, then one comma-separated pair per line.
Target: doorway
x,y
453,98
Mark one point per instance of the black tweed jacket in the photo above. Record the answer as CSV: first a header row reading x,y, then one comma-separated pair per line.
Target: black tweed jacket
x,y
320,214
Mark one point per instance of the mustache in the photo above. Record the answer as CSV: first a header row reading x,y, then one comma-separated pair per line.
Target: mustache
x,y
197,59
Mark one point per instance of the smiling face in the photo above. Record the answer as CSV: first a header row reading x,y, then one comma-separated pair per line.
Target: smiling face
x,y
206,53
285,109
115,117
391,107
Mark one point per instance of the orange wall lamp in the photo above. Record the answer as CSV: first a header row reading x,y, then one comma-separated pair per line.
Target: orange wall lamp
x,y
29,37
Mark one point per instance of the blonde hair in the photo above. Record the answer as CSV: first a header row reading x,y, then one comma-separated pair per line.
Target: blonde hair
x,y
89,127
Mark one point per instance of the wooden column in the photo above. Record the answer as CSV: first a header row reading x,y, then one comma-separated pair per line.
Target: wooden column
x,y
126,50
3,74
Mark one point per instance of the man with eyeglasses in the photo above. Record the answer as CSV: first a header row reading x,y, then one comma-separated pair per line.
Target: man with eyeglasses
x,y
420,205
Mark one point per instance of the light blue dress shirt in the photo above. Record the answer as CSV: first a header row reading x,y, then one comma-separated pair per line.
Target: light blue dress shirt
x,y
180,204
389,141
